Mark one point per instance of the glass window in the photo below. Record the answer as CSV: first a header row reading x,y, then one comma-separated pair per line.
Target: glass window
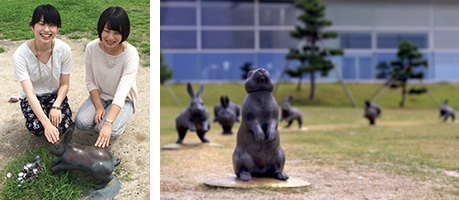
x,y
228,39
392,40
275,63
277,13
178,0
184,65
349,66
355,40
445,13
446,66
171,16
276,39
401,13
224,66
221,13
178,39
350,13
446,39
365,68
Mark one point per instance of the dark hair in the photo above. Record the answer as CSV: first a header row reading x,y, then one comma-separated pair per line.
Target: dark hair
x,y
117,20
49,13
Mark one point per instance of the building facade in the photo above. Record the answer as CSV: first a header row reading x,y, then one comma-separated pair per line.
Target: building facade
x,y
210,40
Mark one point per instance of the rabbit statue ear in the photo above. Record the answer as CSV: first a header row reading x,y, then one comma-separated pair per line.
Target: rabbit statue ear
x,y
290,97
68,136
190,90
201,88
222,100
249,74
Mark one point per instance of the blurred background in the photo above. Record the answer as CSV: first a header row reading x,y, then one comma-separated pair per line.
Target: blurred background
x,y
211,40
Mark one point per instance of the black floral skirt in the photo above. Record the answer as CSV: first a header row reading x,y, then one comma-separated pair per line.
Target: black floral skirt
x,y
34,125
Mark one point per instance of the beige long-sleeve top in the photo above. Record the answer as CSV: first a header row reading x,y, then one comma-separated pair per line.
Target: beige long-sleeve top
x,y
117,83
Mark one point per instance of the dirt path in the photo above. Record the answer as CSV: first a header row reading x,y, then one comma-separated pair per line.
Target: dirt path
x,y
355,125
132,147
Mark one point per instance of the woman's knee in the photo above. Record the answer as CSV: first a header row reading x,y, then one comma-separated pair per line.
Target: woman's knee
x,y
83,124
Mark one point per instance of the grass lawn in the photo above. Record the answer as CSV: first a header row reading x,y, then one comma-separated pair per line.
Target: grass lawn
x,y
79,20
410,142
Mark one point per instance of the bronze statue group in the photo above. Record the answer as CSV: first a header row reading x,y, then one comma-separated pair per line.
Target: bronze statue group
x,y
258,152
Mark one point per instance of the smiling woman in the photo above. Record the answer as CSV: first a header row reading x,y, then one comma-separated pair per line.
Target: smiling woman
x,y
111,70
42,65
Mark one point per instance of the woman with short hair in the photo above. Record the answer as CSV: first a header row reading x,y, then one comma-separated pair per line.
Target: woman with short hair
x,y
42,65
111,69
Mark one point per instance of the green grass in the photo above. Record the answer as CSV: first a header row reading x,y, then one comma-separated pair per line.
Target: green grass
x,y
2,50
79,19
410,142
49,185
327,94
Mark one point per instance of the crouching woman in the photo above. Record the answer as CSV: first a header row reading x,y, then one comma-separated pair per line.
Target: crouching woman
x,y
42,65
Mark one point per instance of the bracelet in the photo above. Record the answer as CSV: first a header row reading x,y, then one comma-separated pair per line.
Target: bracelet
x,y
56,107
109,121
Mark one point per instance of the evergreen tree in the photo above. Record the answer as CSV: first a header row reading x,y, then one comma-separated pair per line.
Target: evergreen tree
x,y
311,56
403,69
165,72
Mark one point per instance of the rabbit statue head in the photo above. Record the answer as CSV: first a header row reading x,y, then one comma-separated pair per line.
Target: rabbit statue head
x,y
59,148
196,107
286,104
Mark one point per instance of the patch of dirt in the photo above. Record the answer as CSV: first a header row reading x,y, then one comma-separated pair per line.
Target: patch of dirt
x,y
132,147
184,172
356,125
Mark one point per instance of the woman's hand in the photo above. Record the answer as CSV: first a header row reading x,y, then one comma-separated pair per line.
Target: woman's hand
x,y
104,135
51,133
100,113
55,116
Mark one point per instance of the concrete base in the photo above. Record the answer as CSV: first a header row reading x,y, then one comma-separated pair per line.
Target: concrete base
x,y
176,146
108,192
234,182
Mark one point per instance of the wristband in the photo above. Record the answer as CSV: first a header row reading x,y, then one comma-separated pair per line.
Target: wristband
x,y
109,121
56,107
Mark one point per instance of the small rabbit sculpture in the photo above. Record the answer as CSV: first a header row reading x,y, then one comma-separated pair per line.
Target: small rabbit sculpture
x,y
290,113
226,113
195,117
258,152
446,111
372,111
97,161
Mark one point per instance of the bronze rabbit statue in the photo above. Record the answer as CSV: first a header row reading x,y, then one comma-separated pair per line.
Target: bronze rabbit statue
x,y
290,113
97,161
195,117
258,152
226,114
372,111
446,111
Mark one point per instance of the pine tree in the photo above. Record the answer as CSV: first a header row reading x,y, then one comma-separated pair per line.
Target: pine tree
x,y
311,56
403,69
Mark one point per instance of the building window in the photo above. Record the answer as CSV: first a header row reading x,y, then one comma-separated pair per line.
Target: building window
x,y
228,40
278,13
222,13
276,39
173,16
355,40
178,39
392,40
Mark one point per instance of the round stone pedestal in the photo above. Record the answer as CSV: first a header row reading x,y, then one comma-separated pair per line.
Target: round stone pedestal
x,y
234,182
